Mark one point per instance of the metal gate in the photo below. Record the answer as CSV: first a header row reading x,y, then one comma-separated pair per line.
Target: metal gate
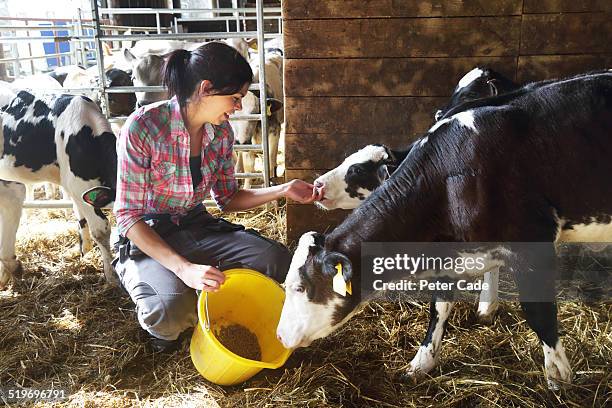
x,y
79,36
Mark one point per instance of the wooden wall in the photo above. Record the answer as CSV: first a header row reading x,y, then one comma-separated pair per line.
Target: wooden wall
x,y
360,72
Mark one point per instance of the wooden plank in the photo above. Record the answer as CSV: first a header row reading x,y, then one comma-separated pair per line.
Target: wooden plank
x,y
325,9
566,6
538,67
583,33
402,37
393,115
304,218
307,175
326,151
384,76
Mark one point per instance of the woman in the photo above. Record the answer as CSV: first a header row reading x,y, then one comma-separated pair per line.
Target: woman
x,y
171,154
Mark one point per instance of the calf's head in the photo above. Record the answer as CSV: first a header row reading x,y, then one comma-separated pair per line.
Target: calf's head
x,y
356,178
147,71
312,308
480,82
120,104
244,130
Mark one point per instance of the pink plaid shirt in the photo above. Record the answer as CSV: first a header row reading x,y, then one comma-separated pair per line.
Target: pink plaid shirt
x,y
153,165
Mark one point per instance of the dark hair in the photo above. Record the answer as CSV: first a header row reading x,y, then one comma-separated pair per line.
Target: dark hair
x,y
217,62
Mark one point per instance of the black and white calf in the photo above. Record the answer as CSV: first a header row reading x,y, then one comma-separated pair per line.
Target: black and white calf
x,y
60,139
347,185
500,172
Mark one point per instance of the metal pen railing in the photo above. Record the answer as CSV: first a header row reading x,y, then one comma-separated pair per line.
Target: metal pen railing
x,y
78,36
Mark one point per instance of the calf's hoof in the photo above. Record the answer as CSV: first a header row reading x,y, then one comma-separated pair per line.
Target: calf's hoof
x,y
112,279
557,366
558,375
423,362
8,270
486,312
85,247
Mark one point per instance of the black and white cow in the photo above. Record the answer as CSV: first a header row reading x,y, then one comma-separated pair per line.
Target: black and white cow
x,y
60,139
347,185
499,172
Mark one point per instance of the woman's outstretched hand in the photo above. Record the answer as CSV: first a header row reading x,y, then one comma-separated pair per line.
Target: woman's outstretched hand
x,y
303,192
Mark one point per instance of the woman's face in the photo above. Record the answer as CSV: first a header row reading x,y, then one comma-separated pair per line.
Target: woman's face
x,y
219,107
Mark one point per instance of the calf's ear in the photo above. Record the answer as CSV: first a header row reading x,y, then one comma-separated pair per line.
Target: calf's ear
x,y
493,87
331,259
273,105
438,115
127,54
383,172
391,155
252,44
99,196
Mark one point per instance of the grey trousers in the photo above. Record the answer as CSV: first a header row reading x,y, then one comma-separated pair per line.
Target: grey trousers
x,y
165,306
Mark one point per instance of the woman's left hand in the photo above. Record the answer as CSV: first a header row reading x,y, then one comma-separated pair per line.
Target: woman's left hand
x,y
302,192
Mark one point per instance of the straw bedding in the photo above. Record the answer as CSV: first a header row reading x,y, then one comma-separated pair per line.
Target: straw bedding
x,y
63,327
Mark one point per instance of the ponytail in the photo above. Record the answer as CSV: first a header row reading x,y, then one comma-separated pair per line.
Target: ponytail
x,y
176,75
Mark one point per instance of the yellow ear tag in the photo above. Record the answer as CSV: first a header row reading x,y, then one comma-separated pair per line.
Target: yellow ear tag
x,y
269,109
340,286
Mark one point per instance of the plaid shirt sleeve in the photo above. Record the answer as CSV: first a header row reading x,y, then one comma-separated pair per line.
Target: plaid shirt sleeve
x,y
226,185
133,175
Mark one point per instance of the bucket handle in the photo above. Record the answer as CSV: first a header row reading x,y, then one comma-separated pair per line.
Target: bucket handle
x,y
206,318
221,267
207,323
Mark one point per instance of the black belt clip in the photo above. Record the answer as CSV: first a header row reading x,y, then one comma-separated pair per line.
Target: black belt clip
x,y
124,249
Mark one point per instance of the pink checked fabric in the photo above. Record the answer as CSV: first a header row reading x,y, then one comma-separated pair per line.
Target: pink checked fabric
x,y
153,165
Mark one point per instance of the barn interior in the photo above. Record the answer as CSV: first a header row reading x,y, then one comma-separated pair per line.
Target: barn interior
x,y
355,73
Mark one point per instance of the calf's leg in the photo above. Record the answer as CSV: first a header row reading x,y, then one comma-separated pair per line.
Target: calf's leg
x,y
489,303
542,318
428,354
536,280
85,242
248,160
12,196
273,138
100,230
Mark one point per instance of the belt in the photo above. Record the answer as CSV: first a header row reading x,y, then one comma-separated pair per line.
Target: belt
x,y
195,211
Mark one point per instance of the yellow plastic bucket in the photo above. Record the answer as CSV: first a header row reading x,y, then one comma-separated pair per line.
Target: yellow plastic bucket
x,y
252,300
